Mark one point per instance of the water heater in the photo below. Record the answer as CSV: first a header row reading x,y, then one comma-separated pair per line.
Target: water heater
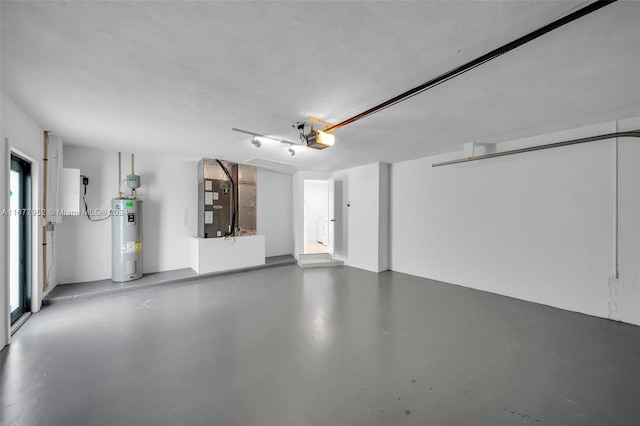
x,y
126,237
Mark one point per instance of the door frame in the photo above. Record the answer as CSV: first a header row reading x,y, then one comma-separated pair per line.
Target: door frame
x,y
336,214
26,220
331,215
299,211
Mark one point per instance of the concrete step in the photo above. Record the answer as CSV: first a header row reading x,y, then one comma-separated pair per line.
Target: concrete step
x,y
317,261
315,256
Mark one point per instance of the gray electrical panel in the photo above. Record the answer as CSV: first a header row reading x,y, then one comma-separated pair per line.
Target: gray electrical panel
x,y
214,208
126,237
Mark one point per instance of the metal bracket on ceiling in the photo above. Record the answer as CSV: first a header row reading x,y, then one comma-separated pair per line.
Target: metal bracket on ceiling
x,y
471,148
324,123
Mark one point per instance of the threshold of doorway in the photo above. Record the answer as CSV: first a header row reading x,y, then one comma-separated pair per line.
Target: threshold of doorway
x,y
85,290
20,322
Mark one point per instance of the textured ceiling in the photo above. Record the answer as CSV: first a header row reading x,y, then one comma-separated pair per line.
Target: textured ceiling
x,y
175,77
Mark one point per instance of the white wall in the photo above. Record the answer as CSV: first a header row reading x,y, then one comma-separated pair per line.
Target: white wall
x,y
629,224
275,212
384,223
537,226
169,186
316,206
25,137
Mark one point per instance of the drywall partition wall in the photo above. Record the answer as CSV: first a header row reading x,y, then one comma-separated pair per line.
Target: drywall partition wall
x,y
624,293
25,137
384,223
275,212
537,226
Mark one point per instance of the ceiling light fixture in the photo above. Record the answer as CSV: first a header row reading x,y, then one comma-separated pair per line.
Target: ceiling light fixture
x,y
255,139
260,135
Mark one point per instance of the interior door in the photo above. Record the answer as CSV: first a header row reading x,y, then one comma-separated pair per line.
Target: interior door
x,y
331,246
20,237
340,223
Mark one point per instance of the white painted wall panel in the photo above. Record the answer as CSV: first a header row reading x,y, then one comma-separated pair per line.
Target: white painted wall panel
x,y
629,223
69,191
383,221
274,215
209,255
536,226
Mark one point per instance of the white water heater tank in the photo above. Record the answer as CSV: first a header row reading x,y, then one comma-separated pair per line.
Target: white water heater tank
x,y
126,240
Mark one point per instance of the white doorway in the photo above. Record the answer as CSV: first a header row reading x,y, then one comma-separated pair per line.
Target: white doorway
x,y
316,216
323,223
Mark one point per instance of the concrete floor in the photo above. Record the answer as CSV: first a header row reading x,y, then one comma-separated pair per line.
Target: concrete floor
x,y
75,291
325,346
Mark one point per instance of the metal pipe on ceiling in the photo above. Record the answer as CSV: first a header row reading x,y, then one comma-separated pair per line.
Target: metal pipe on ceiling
x,y
119,175
616,206
476,62
629,134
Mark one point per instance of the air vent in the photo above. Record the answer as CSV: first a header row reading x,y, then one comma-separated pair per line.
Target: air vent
x,y
276,166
